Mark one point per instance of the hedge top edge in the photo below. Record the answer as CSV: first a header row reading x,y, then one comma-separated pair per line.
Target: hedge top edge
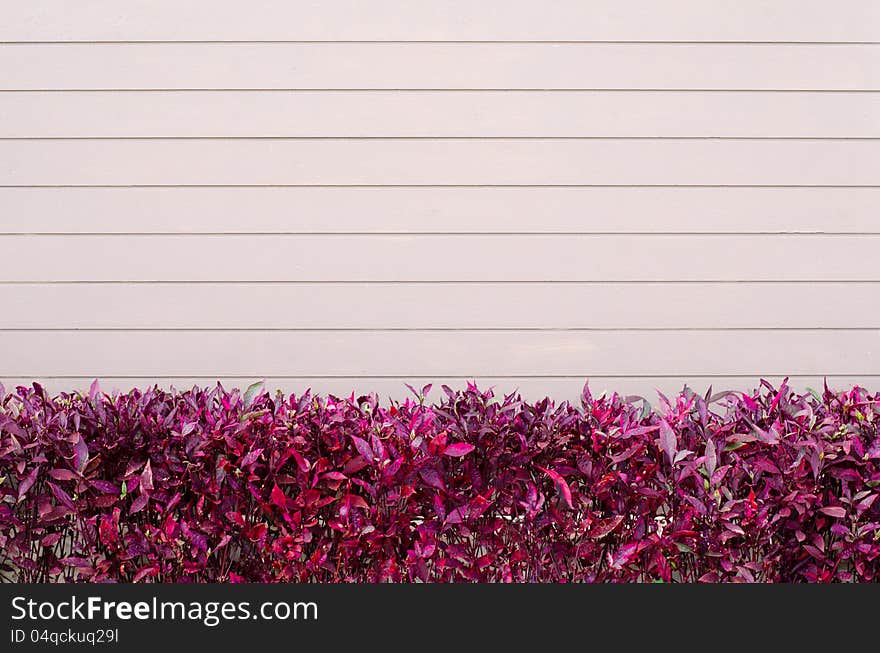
x,y
216,485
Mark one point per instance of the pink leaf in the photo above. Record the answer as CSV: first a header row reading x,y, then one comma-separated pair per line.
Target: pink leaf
x,y
711,457
668,441
145,572
28,482
235,518
94,390
833,511
80,454
139,504
458,449
605,527
624,555
363,448
51,540
62,496
63,474
250,458
147,478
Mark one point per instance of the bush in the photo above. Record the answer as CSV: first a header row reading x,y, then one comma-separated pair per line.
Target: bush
x,y
208,485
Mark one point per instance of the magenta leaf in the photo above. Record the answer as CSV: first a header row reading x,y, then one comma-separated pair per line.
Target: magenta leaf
x,y
458,449
624,555
27,483
63,474
711,458
80,453
62,496
561,486
363,448
146,571
252,456
146,483
278,498
668,441
139,504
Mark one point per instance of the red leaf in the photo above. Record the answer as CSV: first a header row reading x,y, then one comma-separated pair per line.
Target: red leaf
x,y
458,449
257,532
605,526
561,486
145,572
235,518
356,502
278,498
250,458
301,463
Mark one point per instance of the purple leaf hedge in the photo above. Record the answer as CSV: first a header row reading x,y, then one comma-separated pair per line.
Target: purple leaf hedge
x,y
210,485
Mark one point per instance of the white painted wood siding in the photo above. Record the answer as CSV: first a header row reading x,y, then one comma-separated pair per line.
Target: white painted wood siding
x,y
349,196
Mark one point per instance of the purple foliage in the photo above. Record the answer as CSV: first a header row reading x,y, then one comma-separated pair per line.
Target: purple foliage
x,y
210,485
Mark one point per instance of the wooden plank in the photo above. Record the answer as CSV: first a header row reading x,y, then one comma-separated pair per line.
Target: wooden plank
x,y
439,306
472,114
440,162
436,210
531,388
439,66
439,258
439,353
786,20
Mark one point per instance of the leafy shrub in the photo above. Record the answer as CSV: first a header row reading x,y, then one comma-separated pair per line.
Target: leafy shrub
x,y
208,485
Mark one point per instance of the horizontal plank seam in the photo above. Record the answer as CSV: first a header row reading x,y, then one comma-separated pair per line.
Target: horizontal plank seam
x,y
439,185
423,91
430,234
438,138
157,282
426,329
532,89
861,282
432,42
